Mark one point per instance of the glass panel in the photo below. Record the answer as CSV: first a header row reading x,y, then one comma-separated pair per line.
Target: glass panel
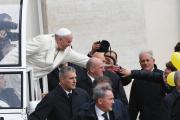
x,y
10,89
10,27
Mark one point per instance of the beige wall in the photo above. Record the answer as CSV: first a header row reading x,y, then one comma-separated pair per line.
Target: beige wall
x,y
32,19
121,22
162,21
130,25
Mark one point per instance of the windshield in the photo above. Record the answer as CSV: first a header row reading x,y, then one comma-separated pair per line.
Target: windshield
x,y
10,89
10,27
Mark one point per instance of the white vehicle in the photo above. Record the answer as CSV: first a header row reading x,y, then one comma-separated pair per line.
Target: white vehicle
x,y
19,22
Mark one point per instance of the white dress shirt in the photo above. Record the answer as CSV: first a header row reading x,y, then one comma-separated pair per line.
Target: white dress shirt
x,y
99,113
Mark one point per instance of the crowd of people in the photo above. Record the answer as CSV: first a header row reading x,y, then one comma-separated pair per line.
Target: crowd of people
x,y
90,87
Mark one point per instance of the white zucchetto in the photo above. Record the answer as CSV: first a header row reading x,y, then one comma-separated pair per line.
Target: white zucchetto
x,y
63,32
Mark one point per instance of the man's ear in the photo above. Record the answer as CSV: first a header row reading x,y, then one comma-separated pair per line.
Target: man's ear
x,y
153,60
100,101
91,70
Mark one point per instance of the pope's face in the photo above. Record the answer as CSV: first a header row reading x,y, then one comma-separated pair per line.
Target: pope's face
x,y
64,42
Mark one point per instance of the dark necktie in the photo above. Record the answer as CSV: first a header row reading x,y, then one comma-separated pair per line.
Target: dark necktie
x,y
105,116
70,96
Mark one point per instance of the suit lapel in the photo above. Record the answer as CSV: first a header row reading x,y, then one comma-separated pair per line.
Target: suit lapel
x,y
89,81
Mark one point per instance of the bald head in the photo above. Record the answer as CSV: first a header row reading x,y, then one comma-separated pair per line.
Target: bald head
x,y
99,55
95,67
92,62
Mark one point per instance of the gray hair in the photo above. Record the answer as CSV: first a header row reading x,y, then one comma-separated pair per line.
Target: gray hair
x,y
176,77
100,90
65,69
101,79
91,63
149,52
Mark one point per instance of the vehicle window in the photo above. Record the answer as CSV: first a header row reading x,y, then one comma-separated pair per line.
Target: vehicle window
x,y
10,90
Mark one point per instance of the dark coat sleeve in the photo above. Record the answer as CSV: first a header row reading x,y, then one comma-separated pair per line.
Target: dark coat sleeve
x,y
42,110
117,86
155,76
134,103
125,80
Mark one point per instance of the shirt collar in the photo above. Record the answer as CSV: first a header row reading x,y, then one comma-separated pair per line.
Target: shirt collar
x,y
99,112
92,79
67,92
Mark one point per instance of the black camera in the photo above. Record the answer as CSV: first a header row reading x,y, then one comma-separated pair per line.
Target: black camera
x,y
104,46
7,25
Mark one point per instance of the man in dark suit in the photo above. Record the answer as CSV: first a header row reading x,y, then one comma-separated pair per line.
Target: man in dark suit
x,y
95,68
103,106
147,90
64,101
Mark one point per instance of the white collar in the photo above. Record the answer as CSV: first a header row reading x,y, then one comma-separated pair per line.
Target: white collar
x,y
99,112
67,92
92,78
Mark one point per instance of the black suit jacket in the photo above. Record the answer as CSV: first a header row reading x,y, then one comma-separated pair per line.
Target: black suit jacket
x,y
56,105
147,92
85,83
87,112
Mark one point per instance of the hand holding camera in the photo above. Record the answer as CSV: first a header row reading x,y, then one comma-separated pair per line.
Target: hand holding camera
x,y
99,46
95,46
